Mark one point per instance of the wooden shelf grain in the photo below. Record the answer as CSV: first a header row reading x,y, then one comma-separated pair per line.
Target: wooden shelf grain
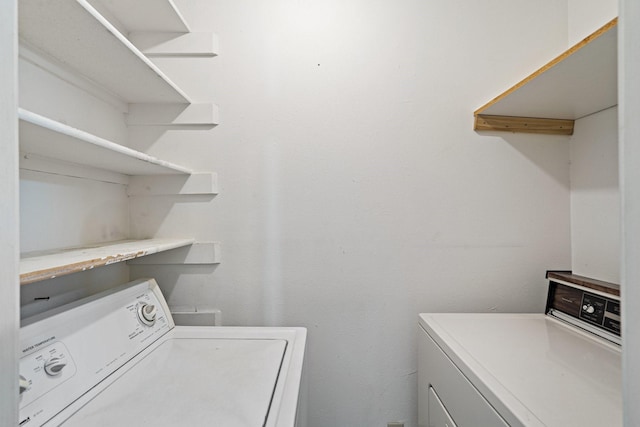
x,y
579,82
524,124
587,282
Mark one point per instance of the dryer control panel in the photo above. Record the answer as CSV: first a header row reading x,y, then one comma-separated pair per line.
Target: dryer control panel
x,y
591,304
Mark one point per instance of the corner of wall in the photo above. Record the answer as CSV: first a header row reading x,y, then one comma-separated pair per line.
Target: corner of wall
x,y
586,16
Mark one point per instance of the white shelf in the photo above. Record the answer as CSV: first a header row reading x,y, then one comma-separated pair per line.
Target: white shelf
x,y
35,267
49,138
200,253
581,81
146,15
78,36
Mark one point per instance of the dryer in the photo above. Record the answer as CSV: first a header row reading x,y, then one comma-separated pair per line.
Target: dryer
x,y
557,369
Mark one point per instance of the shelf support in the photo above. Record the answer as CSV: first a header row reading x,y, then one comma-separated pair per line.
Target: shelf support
x,y
199,253
203,183
159,44
579,82
205,114
523,125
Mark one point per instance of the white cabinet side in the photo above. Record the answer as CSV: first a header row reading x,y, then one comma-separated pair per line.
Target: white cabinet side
x,y
629,94
9,240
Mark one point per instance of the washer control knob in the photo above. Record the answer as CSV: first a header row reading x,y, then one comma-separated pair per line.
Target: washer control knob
x,y
54,366
147,314
590,309
24,384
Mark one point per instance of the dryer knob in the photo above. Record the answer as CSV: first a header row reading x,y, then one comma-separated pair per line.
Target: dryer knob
x,y
54,366
147,314
590,309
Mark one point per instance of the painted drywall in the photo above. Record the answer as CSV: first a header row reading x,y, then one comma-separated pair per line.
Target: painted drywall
x,y
586,16
629,97
595,197
67,205
100,211
595,194
59,211
354,193
9,240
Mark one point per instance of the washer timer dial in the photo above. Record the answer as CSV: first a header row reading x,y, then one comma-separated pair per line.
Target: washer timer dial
x,y
54,366
147,314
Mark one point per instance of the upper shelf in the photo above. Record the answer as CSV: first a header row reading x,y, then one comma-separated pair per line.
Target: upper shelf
x,y
145,15
49,138
581,81
77,35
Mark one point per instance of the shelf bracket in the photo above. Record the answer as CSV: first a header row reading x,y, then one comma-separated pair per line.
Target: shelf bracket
x,y
199,253
513,124
205,114
159,44
203,183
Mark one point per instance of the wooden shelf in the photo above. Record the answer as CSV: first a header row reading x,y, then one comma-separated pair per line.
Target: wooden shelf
x,y
49,138
35,267
580,82
587,282
79,37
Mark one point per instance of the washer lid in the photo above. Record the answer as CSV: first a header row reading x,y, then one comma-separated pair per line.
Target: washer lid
x,y
190,382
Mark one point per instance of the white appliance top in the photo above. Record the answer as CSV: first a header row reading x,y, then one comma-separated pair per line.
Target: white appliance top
x,y
192,382
118,359
535,370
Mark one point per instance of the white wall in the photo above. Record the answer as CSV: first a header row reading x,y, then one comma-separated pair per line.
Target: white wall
x,y
586,16
595,197
629,96
59,211
595,193
9,241
354,192
65,209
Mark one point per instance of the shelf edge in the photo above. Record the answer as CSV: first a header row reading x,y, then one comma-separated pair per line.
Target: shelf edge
x,y
92,257
88,138
198,183
595,35
484,122
134,50
201,114
163,44
199,253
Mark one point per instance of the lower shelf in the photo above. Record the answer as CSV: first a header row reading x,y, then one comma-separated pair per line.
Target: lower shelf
x,y
39,266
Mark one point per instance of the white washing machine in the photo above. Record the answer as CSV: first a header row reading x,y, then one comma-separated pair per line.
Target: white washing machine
x,y
559,369
117,359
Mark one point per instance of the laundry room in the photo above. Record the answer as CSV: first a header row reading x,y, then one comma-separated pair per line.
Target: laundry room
x,y
317,173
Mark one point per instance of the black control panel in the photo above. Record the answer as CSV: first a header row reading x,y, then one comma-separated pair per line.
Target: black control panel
x,y
612,317
601,311
600,308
